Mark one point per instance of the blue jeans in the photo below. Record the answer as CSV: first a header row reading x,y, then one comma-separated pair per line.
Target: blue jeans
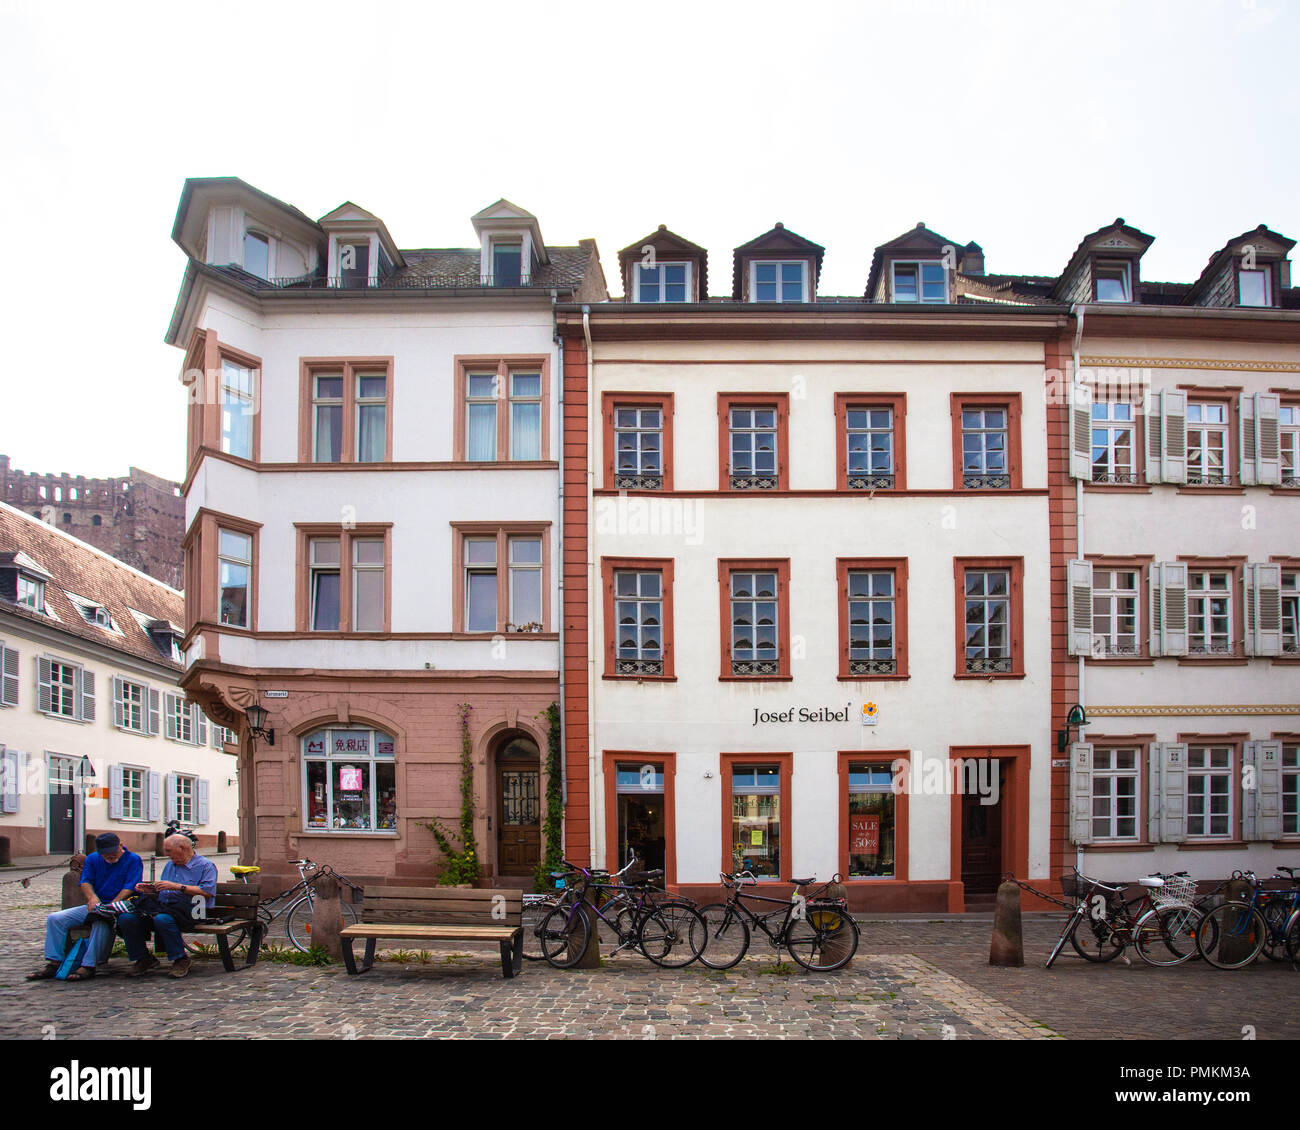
x,y
135,931
60,922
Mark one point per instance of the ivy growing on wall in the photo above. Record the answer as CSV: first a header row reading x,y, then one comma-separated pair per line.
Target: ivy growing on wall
x,y
461,865
553,857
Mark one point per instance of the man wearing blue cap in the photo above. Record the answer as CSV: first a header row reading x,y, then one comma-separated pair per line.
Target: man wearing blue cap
x,y
108,874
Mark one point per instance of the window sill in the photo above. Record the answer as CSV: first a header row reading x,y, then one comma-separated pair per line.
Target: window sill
x,y
1129,661
641,678
1213,660
344,834
899,678
1287,844
135,733
1290,492
1111,846
1210,845
62,717
756,678
1183,488
986,676
1284,660
1116,488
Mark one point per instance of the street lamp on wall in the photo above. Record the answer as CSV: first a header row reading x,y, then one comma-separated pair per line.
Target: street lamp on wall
x,y
257,726
1075,719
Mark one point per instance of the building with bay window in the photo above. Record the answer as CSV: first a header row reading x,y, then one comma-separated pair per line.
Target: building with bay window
x,y
372,522
95,733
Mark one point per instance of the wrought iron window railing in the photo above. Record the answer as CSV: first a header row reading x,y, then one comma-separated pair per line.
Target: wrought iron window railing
x,y
638,667
873,666
876,481
988,666
625,480
999,481
754,482
755,667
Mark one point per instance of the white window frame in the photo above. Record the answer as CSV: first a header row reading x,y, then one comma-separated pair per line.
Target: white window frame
x,y
477,400
1111,772
1113,268
876,661
361,402
754,430
1200,592
1267,275
640,659
192,798
1290,612
181,715
317,403
1111,428
661,284
315,570
126,686
1201,430
1005,659
1203,773
237,562
1111,594
531,398
37,596
359,567
68,693
871,475
517,568
504,241
236,395
1288,430
270,253
143,771
803,266
484,569
918,266
638,429
1291,789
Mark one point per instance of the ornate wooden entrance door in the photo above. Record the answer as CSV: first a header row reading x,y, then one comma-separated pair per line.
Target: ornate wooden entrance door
x,y
519,808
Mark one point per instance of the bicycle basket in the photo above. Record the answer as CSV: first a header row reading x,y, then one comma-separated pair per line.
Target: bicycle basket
x,y
1072,887
1179,890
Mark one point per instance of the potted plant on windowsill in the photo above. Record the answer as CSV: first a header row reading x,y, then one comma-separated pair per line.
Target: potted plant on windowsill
x,y
531,626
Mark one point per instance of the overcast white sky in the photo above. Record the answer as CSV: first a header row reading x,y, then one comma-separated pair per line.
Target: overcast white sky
x,y
1019,125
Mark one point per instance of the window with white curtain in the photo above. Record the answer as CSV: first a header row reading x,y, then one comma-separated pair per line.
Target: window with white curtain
x,y
525,415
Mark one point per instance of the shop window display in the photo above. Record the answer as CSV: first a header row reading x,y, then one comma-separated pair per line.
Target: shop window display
x,y
350,781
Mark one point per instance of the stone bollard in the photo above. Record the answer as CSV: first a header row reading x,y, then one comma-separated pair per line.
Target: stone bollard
x,y
221,843
1008,947
327,917
1234,947
591,955
158,843
6,859
90,844
72,895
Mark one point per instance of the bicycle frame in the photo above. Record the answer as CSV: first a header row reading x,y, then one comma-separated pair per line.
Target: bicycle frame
x,y
761,920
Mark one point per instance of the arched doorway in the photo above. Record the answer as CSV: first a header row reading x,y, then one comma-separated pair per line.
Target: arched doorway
x,y
519,805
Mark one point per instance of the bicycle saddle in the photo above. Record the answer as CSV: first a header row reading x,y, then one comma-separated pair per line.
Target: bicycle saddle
x,y
1289,870
646,876
803,882
237,869
1151,881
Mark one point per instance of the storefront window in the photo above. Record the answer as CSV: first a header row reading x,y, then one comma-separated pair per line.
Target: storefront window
x,y
756,820
641,826
350,781
871,822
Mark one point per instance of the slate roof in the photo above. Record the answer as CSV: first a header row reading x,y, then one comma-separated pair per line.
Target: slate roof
x,y
87,572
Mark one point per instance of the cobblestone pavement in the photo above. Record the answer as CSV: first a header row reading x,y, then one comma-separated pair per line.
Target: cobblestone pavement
x,y
911,980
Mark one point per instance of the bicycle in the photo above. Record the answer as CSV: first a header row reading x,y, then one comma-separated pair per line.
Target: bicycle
x,y
1235,933
537,907
818,933
1116,922
296,902
663,930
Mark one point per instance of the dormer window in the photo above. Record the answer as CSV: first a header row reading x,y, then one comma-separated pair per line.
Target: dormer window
x,y
354,263
1254,289
664,282
1113,282
93,613
778,280
257,255
920,282
507,262
31,593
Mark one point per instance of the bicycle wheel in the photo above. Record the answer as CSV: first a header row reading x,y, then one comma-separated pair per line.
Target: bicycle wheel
x,y
1095,939
1166,935
1070,925
1231,935
673,935
298,923
563,935
824,939
1276,912
1293,940
531,921
727,936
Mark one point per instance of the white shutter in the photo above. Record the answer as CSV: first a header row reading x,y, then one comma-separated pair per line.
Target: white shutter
x,y
86,687
203,800
115,792
1081,432
1154,753
171,796
1155,434
1249,434
1268,444
214,736
44,691
119,706
1081,793
9,769
1173,411
8,676
171,716
153,711
200,724
1173,610
155,796
1261,808
1263,590
1079,607
1173,792
1155,608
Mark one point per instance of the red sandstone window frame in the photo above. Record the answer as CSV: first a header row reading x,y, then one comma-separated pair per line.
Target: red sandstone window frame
x,y
777,400
1141,564
896,402
896,565
305,533
610,402
845,758
503,364
1235,567
1010,403
1107,392
785,765
202,571
667,763
1016,567
349,368
1230,398
1109,743
1236,743
779,565
502,532
204,367
664,566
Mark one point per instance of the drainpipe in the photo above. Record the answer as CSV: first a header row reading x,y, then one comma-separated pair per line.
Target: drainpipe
x,y
1078,310
595,795
559,379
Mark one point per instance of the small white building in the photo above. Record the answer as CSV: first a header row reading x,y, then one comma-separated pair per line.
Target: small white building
x,y
95,733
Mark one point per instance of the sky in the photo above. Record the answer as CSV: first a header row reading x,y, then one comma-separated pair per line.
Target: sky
x,y
1022,126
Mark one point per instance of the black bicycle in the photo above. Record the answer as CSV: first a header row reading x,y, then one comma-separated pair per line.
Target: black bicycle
x,y
818,932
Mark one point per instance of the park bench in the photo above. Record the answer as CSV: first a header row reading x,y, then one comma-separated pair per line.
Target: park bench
x,y
438,914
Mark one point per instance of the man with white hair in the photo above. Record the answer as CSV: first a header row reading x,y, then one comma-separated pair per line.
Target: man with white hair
x,y
184,894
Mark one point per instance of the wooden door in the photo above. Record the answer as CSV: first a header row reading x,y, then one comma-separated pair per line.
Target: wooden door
x,y
61,813
981,843
519,815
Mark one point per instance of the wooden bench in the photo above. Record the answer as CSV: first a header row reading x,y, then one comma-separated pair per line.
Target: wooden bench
x,y
439,914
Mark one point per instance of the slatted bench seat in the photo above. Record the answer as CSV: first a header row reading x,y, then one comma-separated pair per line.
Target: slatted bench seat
x,y
438,914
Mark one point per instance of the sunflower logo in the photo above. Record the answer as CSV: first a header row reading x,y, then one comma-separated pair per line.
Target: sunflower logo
x,y
870,711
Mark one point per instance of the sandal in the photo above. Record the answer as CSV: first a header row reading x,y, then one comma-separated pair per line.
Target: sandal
x,y
82,973
51,968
